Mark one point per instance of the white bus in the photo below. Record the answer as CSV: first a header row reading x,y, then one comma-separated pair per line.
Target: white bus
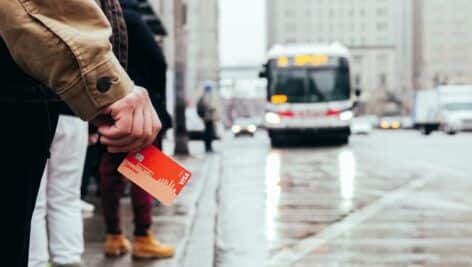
x,y
309,92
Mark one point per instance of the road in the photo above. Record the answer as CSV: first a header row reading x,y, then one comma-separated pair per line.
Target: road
x,y
394,198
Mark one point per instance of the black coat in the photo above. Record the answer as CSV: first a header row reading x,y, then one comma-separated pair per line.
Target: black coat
x,y
147,66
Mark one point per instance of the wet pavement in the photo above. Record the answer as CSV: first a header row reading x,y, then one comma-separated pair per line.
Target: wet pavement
x,y
394,198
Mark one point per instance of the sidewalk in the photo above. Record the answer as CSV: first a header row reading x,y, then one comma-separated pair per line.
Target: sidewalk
x,y
172,225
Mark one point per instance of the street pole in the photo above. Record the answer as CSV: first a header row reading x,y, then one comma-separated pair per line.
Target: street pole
x,y
180,130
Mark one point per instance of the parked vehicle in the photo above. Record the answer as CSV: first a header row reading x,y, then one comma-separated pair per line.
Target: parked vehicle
x,y
361,126
448,108
426,109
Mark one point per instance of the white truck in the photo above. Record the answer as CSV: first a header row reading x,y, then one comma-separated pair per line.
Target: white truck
x,y
447,108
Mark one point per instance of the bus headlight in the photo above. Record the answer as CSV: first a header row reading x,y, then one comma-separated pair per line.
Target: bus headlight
x,y
272,118
346,115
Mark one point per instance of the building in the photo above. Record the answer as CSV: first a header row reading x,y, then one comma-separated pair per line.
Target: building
x,y
442,43
378,33
201,43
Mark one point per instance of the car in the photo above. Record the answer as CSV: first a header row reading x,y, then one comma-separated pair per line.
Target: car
x,y
361,125
390,123
244,126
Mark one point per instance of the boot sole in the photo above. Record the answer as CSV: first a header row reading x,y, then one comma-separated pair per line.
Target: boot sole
x,y
115,254
150,257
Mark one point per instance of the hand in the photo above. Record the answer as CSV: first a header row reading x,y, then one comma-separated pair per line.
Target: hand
x,y
93,139
134,123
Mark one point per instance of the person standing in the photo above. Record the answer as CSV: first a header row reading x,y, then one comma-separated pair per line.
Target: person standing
x,y
57,229
61,47
208,108
147,67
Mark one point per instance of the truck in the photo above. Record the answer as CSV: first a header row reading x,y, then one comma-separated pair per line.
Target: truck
x,y
447,108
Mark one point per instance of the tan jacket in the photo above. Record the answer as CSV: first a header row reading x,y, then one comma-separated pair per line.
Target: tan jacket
x,y
65,45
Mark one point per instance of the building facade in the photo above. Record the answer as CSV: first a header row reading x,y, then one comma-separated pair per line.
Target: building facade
x,y
201,45
443,50
378,33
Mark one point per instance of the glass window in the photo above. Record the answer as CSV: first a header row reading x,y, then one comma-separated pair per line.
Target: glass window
x,y
311,85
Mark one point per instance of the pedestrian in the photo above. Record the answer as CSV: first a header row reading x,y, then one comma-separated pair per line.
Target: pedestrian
x,y
208,108
53,51
57,229
148,68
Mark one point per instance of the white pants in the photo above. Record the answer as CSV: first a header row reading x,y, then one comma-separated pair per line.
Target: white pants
x,y
56,227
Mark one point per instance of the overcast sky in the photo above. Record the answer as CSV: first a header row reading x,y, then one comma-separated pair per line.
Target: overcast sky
x,y
242,32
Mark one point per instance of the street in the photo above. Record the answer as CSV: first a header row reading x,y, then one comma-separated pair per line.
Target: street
x,y
393,198
389,199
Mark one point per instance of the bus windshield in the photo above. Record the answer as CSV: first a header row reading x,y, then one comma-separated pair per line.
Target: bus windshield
x,y
311,85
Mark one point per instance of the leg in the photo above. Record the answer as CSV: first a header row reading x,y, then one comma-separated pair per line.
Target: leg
x,y
208,136
25,143
63,190
142,209
112,185
39,250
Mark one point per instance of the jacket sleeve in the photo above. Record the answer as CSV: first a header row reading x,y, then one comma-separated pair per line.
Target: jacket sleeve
x,y
65,45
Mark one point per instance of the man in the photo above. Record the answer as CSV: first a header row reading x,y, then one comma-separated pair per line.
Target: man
x,y
56,226
208,108
147,67
63,45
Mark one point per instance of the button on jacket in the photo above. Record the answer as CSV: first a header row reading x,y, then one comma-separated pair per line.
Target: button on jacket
x,y
65,45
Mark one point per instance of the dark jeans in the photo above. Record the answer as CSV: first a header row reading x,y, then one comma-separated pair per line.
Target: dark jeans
x,y
26,135
112,186
209,135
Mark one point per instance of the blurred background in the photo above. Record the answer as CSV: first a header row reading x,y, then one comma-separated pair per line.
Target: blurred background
x,y
342,139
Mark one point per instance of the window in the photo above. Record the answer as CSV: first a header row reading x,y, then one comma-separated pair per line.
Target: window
x,y
382,12
382,26
382,80
290,13
357,80
357,60
290,27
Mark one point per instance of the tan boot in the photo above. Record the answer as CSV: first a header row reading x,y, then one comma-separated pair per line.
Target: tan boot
x,y
116,245
147,247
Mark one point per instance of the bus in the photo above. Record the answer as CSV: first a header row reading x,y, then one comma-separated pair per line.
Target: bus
x,y
309,93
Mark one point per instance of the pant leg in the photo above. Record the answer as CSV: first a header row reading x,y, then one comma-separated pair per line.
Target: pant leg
x,y
38,247
25,140
208,135
142,209
65,169
112,185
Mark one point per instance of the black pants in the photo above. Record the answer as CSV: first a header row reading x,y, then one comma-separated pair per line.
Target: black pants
x,y
26,133
209,135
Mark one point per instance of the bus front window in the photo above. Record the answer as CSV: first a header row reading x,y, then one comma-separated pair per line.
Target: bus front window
x,y
328,85
289,82
305,85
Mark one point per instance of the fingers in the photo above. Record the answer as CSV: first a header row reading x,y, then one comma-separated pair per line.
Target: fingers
x,y
135,123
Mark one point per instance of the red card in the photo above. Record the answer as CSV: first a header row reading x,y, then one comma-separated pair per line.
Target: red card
x,y
156,173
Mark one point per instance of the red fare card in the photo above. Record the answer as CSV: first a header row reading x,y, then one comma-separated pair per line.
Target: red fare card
x,y
156,173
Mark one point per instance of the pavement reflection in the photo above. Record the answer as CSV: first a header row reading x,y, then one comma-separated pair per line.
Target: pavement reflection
x,y
272,181
347,176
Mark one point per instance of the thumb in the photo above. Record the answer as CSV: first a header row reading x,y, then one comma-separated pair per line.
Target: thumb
x,y
108,110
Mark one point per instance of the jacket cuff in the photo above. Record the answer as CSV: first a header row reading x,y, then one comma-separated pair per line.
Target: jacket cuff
x,y
97,89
